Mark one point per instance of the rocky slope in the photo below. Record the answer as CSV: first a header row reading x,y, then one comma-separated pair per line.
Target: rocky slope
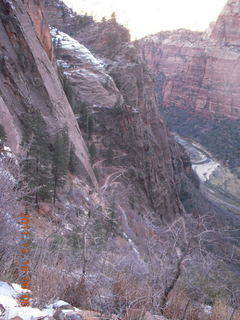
x,y
198,71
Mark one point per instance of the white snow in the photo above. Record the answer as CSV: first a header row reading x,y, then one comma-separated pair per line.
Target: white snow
x,y
205,170
132,244
8,298
81,52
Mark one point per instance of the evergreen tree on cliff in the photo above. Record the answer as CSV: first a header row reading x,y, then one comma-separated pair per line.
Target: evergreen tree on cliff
x,y
37,167
60,161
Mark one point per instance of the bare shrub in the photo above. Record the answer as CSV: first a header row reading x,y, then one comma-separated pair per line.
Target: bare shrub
x,y
10,208
220,311
131,291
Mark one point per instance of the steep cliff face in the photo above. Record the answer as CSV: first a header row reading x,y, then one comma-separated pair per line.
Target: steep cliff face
x,y
226,29
29,81
123,107
195,71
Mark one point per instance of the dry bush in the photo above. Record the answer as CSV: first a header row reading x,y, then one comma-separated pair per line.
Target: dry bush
x,y
181,307
176,305
10,209
48,284
134,314
222,311
131,291
78,295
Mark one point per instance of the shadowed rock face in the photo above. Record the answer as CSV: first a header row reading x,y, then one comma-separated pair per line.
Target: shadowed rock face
x,y
123,105
116,87
29,80
197,71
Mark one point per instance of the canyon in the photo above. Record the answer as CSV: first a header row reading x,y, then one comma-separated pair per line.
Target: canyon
x,y
129,227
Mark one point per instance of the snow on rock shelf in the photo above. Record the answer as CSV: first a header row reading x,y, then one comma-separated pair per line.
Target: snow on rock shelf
x,y
64,41
9,294
83,70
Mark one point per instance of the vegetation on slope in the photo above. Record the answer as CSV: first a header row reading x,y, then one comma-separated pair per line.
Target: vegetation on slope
x,y
220,136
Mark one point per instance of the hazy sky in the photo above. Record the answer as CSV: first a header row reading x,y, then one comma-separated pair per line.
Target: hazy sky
x,y
151,16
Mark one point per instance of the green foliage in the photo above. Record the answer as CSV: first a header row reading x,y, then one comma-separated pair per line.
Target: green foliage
x,y
2,133
74,241
74,164
220,136
22,59
68,90
57,45
93,151
85,121
37,168
57,242
132,201
60,160
109,155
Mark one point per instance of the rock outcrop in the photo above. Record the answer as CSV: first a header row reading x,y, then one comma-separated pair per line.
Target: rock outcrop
x,y
29,80
197,71
227,27
119,94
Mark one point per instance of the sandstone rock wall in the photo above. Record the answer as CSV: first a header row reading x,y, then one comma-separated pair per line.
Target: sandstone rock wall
x,y
126,114
226,29
29,81
197,71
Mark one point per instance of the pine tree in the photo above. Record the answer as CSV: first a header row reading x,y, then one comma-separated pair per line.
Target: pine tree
x,y
2,133
93,151
60,160
109,155
74,164
68,90
37,168
113,17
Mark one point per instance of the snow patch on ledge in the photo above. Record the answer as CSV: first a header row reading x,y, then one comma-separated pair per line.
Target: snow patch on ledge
x,y
9,299
66,42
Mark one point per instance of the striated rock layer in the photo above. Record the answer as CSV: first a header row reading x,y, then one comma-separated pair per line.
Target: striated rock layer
x,y
197,71
227,27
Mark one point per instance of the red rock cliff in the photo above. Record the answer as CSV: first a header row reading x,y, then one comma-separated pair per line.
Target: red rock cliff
x,y
199,72
227,27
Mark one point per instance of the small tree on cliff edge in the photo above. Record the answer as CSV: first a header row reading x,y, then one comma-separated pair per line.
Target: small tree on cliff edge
x,y
113,17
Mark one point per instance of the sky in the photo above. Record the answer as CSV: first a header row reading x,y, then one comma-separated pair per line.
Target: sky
x,y
151,16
